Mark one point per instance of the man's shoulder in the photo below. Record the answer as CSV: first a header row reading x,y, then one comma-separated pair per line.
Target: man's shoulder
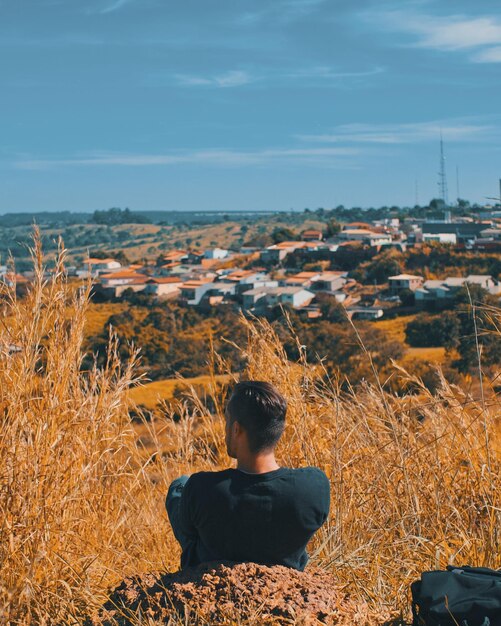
x,y
309,474
201,479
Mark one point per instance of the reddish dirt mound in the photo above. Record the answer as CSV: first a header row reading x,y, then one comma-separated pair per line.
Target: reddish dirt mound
x,y
245,593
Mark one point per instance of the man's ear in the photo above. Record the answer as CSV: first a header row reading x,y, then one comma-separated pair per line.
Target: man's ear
x,y
237,429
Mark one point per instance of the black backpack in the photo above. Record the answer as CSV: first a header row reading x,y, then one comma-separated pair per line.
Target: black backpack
x,y
460,596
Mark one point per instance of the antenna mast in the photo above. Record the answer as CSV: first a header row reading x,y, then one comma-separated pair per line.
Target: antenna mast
x,y
442,176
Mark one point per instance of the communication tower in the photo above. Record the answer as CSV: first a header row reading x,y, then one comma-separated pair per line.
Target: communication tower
x,y
442,176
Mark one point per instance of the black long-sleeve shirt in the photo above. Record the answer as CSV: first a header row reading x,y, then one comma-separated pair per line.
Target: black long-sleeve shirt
x,y
264,518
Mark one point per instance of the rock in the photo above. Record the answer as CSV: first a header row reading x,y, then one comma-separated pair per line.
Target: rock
x,y
226,593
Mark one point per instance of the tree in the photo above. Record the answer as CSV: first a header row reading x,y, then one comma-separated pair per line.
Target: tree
x,y
331,309
283,234
332,228
427,331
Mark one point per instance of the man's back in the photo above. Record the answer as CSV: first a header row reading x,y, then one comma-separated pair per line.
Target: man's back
x,y
265,518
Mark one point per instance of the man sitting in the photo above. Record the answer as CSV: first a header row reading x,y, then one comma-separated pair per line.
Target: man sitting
x,y
258,512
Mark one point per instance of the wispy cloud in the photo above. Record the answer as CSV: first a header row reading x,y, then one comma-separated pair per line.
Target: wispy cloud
x,y
448,33
281,10
233,78
323,74
490,55
215,157
114,6
402,133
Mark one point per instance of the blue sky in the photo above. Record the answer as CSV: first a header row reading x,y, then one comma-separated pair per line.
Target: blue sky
x,y
246,104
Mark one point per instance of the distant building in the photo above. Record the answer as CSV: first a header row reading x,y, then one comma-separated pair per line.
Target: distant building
x,y
365,236
312,235
452,232
404,281
365,312
162,287
216,253
277,252
441,291
95,267
262,297
193,291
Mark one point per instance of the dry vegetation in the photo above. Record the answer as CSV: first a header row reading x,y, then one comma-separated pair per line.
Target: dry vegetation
x,y
415,480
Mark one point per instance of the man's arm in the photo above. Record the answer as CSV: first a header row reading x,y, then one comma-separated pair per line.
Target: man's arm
x,y
187,524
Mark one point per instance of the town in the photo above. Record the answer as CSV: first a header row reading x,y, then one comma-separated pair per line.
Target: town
x,y
254,279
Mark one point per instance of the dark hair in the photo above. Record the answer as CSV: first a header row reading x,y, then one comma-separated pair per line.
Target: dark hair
x,y
260,409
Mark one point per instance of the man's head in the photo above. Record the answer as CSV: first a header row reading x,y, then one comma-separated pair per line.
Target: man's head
x,y
255,417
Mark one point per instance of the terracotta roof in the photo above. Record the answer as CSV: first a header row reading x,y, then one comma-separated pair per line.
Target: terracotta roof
x,y
239,274
290,244
123,274
98,261
196,283
311,231
18,278
357,225
175,254
166,280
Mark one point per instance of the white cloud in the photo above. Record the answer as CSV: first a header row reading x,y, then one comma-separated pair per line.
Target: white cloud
x,y
217,157
448,33
234,78
489,55
401,133
237,78
326,72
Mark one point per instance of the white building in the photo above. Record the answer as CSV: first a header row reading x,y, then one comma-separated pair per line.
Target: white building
x,y
216,253
295,297
405,281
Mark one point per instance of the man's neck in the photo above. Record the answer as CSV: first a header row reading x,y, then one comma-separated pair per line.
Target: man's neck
x,y
259,464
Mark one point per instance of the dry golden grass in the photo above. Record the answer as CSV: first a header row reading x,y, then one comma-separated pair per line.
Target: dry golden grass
x,y
395,327
150,394
432,355
82,507
98,314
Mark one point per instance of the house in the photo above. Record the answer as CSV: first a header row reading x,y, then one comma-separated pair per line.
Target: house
x,y
12,280
312,235
452,232
404,281
329,282
163,286
95,267
262,297
277,252
123,277
491,234
365,236
441,291
192,291
364,312
216,253
174,257
302,279
244,280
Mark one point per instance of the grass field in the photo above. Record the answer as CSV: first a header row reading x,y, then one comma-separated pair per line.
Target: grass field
x,y
98,315
395,327
415,480
149,394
